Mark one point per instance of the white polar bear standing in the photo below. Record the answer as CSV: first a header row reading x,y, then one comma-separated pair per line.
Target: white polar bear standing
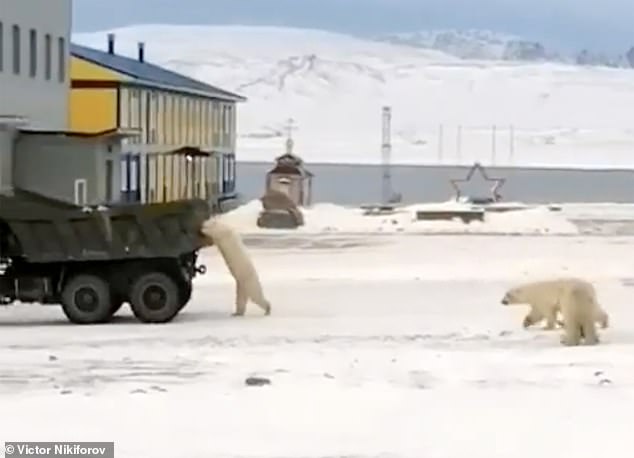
x,y
239,263
575,298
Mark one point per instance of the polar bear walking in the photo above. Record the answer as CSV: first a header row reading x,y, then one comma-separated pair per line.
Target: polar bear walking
x,y
239,263
575,298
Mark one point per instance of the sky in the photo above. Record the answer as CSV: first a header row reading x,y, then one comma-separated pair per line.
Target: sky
x,y
598,25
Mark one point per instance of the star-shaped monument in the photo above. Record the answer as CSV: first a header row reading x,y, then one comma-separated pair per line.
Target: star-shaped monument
x,y
493,190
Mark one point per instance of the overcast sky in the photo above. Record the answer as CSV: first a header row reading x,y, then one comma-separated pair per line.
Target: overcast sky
x,y
567,24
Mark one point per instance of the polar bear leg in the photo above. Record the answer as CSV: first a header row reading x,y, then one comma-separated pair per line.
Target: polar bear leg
x,y
241,299
572,333
256,294
589,331
551,318
532,317
572,322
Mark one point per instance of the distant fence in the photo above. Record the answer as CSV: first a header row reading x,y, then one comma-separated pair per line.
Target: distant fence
x,y
497,141
447,144
509,145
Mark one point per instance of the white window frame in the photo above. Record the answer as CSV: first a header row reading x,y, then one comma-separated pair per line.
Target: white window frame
x,y
84,199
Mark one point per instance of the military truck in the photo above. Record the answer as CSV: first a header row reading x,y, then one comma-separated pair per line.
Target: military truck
x,y
92,260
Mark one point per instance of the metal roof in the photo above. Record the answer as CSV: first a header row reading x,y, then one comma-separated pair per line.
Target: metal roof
x,y
151,73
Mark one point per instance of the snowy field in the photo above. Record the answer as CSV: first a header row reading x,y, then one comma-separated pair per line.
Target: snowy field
x,y
571,219
384,346
334,85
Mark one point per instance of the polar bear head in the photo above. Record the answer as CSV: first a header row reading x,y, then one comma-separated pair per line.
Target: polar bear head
x,y
514,296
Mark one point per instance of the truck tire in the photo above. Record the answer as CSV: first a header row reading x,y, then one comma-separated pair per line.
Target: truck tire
x,y
155,298
86,300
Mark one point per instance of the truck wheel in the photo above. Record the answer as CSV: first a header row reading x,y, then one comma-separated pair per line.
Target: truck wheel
x,y
86,300
155,298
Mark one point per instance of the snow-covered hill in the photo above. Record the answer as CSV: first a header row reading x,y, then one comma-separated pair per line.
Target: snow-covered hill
x,y
489,45
475,44
334,86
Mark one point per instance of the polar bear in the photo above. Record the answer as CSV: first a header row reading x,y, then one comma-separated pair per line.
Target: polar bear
x,y
575,298
548,310
239,263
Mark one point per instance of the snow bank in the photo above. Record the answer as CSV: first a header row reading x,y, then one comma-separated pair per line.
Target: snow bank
x,y
330,218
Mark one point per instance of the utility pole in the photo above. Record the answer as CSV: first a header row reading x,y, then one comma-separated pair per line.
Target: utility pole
x,y
386,155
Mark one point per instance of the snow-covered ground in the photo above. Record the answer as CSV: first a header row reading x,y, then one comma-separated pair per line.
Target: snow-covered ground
x,y
387,346
334,86
568,220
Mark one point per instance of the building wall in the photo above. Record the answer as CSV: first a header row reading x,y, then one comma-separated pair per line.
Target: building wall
x,y
169,121
6,158
34,74
61,162
92,109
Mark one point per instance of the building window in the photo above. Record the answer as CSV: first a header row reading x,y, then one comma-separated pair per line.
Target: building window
x,y
228,123
188,120
193,121
216,124
109,180
198,115
61,58
160,110
168,119
151,117
175,120
204,121
32,53
124,107
1,47
130,177
17,48
144,124
134,105
48,57
223,119
193,116
225,125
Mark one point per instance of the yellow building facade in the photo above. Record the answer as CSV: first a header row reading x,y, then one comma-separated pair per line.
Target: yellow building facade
x,y
186,129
